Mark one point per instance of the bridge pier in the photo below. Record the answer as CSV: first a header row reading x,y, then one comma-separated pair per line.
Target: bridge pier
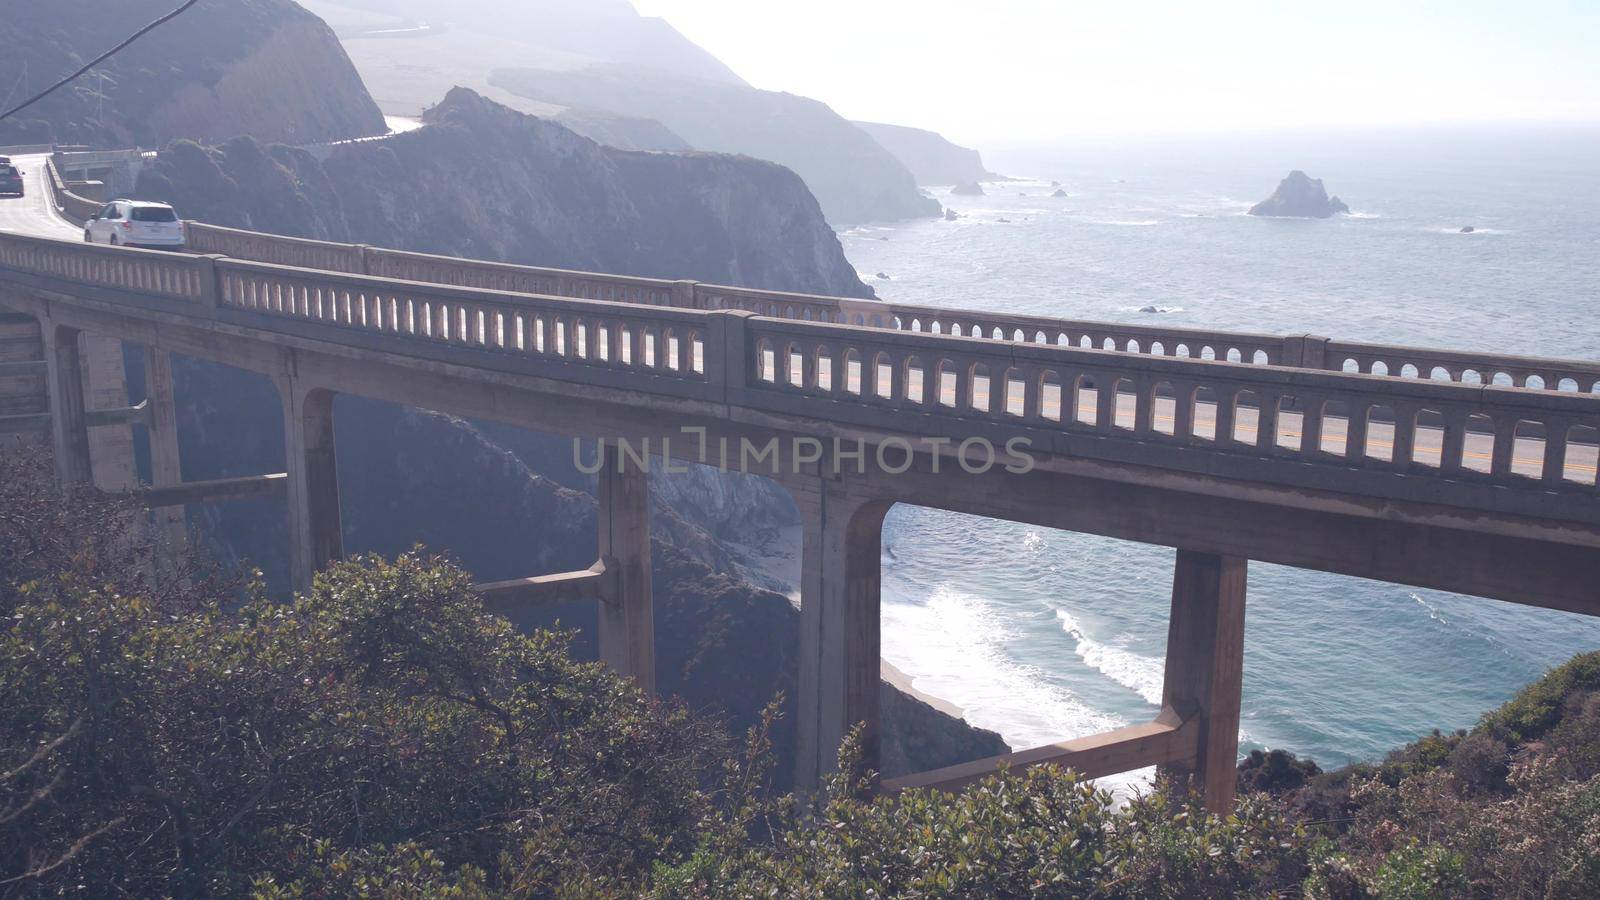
x,y
840,636
626,631
165,464
315,533
69,426
1205,668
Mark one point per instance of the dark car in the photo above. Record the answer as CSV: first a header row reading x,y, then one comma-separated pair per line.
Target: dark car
x,y
10,180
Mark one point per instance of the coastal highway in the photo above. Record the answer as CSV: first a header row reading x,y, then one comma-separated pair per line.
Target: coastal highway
x,y
34,213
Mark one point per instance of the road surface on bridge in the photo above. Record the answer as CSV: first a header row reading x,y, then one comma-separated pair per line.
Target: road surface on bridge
x,y
34,213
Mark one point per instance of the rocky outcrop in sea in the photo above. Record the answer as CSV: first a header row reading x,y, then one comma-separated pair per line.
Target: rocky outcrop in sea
x,y
1300,196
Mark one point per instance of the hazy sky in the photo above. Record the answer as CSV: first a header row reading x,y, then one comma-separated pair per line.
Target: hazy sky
x,y
988,70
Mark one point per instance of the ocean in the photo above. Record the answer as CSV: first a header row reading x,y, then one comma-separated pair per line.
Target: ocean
x,y
1044,635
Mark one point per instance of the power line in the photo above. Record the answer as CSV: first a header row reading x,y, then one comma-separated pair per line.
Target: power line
x,y
98,60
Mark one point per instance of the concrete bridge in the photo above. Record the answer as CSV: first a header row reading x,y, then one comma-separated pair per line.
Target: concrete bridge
x,y
1465,472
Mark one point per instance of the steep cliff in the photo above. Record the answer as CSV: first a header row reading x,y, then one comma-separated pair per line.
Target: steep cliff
x,y
484,181
929,155
854,178
265,68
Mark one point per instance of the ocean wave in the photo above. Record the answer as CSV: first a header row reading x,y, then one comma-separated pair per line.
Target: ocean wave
x,y
954,647
1142,674
1451,624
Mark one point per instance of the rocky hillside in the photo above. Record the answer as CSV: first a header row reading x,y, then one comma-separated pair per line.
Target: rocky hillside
x,y
487,182
853,177
929,156
266,68
609,30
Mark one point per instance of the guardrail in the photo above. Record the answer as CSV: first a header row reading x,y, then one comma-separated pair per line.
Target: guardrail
x,y
1304,351
1540,444
73,208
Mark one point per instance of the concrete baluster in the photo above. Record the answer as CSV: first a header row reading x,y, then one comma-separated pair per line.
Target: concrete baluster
x,y
1505,445
1405,434
1267,421
1311,409
1556,432
1183,412
1356,432
1454,441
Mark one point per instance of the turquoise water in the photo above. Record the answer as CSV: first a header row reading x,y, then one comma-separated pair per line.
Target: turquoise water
x,y
1044,635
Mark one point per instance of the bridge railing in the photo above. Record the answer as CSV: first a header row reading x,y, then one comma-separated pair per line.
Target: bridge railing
x,y
1503,436
276,249
663,344
73,207
1305,351
1566,375
150,272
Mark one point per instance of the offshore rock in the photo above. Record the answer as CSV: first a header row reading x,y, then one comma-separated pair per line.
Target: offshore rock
x,y
1300,196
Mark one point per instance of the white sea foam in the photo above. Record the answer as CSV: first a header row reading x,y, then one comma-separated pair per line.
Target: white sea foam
x,y
953,646
1140,673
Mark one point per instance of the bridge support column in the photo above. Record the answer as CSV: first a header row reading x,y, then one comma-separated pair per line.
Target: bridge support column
x,y
69,429
165,467
840,637
315,533
1205,667
627,614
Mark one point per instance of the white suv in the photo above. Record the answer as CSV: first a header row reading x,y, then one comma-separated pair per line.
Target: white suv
x,y
135,223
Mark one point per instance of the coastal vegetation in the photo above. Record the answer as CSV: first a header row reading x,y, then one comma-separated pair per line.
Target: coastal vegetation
x,y
167,729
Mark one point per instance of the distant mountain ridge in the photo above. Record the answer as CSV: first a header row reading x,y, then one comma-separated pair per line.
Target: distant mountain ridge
x,y
608,30
930,156
853,176
624,80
